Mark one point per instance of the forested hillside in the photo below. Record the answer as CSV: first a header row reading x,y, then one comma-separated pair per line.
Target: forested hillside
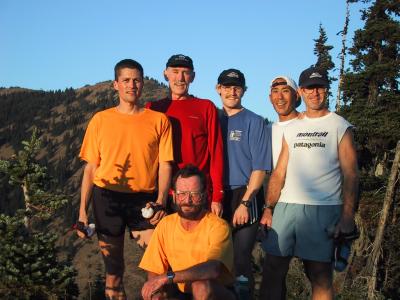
x,y
61,117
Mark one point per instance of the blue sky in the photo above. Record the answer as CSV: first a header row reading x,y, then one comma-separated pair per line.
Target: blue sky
x,y
50,44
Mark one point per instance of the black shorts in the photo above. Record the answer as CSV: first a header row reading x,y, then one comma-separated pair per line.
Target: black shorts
x,y
232,199
113,211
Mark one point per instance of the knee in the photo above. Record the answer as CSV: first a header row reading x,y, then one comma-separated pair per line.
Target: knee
x,y
320,277
113,257
320,281
201,289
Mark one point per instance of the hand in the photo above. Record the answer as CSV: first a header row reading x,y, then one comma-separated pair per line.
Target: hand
x,y
216,208
266,219
158,216
241,216
153,285
345,225
84,220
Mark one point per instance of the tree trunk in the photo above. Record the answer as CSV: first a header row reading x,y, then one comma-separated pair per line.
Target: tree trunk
x,y
372,263
343,54
27,208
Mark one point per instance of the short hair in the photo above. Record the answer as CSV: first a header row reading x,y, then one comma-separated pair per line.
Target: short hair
x,y
189,171
127,63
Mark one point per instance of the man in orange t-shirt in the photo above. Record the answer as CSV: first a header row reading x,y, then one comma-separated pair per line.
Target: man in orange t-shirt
x,y
128,154
192,248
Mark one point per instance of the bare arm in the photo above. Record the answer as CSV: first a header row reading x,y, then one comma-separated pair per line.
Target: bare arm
x,y
86,191
256,180
204,271
348,165
275,184
164,182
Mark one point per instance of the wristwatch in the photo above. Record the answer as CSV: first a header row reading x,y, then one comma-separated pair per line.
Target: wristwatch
x,y
266,205
170,276
245,203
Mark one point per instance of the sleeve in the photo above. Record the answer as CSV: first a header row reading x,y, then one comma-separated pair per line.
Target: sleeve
x,y
215,148
154,258
90,151
221,246
165,145
342,127
260,146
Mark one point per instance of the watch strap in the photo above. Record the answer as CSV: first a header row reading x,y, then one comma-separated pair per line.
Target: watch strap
x,y
266,205
170,276
246,203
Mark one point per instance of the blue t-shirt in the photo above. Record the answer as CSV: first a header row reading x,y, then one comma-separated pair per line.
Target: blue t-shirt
x,y
247,146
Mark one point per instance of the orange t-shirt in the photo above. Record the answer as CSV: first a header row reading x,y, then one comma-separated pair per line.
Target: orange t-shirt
x,y
127,149
172,245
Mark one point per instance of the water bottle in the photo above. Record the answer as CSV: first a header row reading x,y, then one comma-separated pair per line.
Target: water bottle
x,y
341,255
90,230
242,287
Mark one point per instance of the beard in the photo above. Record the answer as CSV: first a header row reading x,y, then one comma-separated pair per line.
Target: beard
x,y
194,214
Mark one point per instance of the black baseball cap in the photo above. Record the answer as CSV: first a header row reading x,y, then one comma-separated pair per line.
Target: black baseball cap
x,y
180,60
314,76
232,77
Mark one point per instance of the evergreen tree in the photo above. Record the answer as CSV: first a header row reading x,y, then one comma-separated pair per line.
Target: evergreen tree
x,y
324,59
371,100
371,89
29,267
24,171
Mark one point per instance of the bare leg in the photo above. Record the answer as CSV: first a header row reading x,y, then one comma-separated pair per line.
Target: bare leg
x,y
112,249
142,237
210,289
320,275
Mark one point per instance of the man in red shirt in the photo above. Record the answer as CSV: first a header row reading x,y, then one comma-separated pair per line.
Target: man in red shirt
x,y
197,138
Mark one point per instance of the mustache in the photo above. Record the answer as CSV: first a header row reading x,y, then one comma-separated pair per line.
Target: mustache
x,y
192,205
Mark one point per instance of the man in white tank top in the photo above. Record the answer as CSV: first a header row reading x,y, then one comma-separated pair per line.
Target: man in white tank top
x,y
313,188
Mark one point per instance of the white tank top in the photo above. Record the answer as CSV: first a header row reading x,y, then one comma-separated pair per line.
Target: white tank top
x,y
313,173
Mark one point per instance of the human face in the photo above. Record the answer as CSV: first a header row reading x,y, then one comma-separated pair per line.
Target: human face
x,y
179,79
129,85
314,97
189,197
283,98
231,96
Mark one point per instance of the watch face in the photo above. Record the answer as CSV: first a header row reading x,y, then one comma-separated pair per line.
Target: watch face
x,y
170,275
245,203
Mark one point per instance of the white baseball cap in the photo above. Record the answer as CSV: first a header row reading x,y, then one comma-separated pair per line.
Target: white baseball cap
x,y
289,81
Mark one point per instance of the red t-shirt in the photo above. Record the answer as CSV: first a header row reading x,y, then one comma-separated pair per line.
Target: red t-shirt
x,y
196,136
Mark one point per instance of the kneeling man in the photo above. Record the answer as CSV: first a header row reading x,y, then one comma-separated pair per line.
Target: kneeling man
x,y
192,247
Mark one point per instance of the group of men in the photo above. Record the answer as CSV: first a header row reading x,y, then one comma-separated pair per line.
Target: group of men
x,y
202,171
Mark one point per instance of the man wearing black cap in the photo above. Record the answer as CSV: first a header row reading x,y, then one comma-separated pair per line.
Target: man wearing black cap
x,y
313,188
247,148
196,132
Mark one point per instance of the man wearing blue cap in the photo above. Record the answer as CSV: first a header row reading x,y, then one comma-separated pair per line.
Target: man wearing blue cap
x,y
313,188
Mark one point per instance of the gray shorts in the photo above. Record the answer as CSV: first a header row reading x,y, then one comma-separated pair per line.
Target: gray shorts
x,y
301,230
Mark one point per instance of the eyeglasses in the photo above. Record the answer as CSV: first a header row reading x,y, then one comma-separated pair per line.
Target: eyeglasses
x,y
182,195
309,90
231,87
